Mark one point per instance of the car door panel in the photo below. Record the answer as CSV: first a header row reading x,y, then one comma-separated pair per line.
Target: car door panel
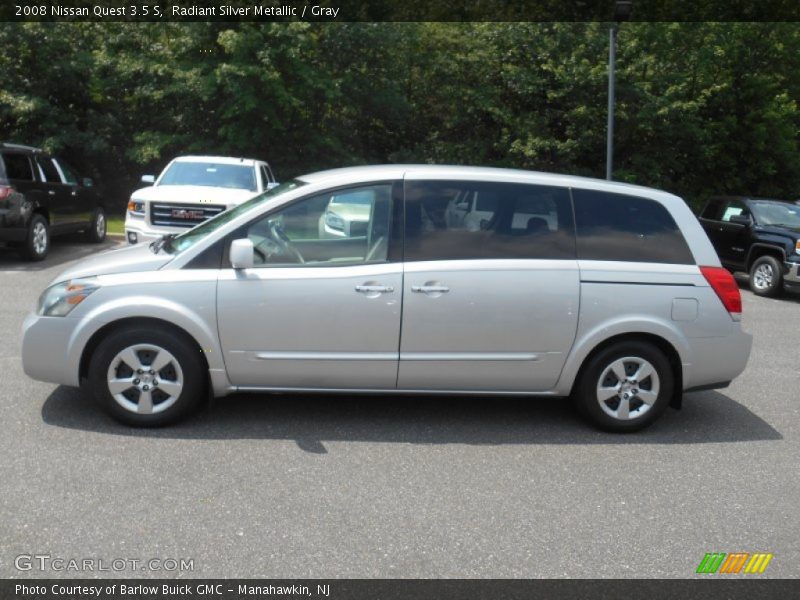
x,y
487,325
311,327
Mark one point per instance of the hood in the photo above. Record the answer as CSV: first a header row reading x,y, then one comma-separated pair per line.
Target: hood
x,y
192,194
123,260
792,232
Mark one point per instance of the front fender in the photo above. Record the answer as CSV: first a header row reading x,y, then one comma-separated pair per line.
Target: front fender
x,y
196,321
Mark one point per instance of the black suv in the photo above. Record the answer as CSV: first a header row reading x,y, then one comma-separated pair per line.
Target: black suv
x,y
758,236
39,196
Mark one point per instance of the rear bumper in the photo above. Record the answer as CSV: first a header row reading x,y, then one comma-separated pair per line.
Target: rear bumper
x,y
716,360
13,234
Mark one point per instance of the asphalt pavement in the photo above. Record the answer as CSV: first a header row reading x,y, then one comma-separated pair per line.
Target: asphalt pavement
x,y
321,486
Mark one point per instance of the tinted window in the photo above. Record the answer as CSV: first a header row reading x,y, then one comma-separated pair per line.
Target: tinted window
x,y
344,227
69,176
733,209
712,210
50,172
451,220
18,167
622,227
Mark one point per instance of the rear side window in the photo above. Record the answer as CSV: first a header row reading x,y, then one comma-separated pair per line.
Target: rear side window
x,y
50,172
464,220
627,228
18,167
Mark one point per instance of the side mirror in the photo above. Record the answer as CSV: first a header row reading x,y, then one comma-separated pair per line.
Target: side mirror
x,y
148,179
242,254
742,219
87,182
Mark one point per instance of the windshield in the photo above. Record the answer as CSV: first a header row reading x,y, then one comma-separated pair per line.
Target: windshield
x,y
210,174
776,213
191,237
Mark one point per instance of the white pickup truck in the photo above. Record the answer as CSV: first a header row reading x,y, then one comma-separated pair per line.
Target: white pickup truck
x,y
190,190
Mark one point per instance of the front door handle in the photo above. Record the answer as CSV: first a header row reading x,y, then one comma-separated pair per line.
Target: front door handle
x,y
430,289
51,192
374,289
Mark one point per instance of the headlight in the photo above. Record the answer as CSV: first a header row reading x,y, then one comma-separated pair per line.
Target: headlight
x,y
136,208
797,247
58,300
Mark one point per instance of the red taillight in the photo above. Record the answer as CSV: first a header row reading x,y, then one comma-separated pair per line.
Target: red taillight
x,y
5,191
723,283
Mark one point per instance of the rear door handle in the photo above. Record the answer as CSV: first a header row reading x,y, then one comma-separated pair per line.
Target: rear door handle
x,y
51,192
374,289
430,289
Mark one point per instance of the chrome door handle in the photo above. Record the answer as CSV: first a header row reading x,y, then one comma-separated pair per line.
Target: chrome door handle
x,y
430,289
374,289
51,192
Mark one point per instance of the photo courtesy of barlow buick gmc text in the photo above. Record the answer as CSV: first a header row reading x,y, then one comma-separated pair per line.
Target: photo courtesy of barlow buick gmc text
x,y
365,299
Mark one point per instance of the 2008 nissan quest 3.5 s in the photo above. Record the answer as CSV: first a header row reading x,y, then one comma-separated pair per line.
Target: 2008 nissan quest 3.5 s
x,y
455,280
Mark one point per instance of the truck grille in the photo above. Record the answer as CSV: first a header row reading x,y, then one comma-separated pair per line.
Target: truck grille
x,y
182,215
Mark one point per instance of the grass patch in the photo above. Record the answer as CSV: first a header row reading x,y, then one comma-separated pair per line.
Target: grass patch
x,y
115,224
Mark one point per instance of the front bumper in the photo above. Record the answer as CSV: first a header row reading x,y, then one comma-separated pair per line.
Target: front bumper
x,y
792,275
45,349
139,231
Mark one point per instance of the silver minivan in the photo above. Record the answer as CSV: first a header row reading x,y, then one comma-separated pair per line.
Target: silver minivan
x,y
607,293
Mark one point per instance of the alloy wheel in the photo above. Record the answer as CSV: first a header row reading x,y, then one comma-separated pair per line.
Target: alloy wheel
x,y
145,379
628,388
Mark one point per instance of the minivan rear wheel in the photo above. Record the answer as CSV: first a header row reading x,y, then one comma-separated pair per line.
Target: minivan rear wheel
x,y
146,377
625,387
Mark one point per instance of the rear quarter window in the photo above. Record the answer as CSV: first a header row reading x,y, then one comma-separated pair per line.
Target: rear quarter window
x,y
18,167
619,227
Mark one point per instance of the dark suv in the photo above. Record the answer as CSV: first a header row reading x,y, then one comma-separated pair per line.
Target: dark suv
x,y
41,196
758,236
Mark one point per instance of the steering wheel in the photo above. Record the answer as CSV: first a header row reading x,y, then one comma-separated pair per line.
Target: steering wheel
x,y
278,235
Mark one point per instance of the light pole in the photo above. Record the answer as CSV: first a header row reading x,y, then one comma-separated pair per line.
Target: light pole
x,y
622,12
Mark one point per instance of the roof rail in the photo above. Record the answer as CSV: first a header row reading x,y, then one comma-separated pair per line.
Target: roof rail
x,y
21,147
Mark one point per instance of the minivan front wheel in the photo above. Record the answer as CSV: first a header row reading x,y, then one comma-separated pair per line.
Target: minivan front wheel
x,y
626,386
146,377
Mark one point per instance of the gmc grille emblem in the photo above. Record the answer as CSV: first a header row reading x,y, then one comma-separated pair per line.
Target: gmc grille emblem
x,y
182,213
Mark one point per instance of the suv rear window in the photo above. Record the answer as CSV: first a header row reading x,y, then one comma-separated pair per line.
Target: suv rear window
x,y
465,220
627,228
18,167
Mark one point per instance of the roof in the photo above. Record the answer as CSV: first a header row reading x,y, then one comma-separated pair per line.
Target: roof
x,y
225,160
378,172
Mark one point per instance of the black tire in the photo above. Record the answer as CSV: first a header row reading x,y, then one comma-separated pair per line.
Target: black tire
x,y
189,372
37,243
96,232
599,365
766,276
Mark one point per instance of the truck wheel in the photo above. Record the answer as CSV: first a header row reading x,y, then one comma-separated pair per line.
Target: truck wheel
x,y
147,377
625,387
37,244
766,276
96,232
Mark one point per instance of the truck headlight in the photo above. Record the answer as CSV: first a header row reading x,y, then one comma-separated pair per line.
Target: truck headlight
x,y
58,300
797,247
135,208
